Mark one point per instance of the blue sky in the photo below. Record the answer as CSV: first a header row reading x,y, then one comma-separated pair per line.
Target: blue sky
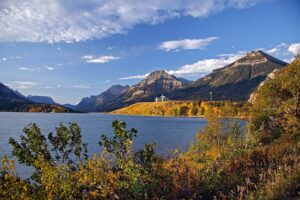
x,y
72,49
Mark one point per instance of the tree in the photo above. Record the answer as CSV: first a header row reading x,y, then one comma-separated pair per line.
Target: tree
x,y
120,146
276,107
67,147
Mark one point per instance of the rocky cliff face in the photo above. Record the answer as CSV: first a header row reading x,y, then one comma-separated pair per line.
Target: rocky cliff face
x,y
96,102
155,84
235,81
270,76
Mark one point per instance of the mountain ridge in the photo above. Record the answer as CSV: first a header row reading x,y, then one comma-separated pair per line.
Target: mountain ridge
x,y
155,84
95,102
41,99
13,100
235,81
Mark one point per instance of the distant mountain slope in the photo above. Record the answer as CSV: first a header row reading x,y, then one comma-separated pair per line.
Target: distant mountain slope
x,y
41,99
235,81
11,100
95,103
7,94
155,84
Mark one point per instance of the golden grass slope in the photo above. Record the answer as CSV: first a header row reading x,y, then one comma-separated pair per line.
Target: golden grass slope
x,y
179,108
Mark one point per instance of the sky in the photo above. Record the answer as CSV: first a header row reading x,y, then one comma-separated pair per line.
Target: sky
x,y
70,49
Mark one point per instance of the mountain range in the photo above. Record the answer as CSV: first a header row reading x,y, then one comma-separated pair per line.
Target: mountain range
x,y
235,81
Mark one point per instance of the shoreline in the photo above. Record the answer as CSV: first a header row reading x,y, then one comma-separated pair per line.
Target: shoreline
x,y
171,116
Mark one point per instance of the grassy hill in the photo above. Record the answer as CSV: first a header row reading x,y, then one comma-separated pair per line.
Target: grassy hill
x,y
181,108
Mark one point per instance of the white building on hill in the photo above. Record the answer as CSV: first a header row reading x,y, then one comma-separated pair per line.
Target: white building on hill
x,y
161,98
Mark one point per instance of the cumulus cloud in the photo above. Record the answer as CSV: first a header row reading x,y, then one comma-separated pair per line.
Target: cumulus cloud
x,y
177,45
294,48
54,21
21,84
99,59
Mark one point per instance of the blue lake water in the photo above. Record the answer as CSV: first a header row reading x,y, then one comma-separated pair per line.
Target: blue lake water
x,y
169,133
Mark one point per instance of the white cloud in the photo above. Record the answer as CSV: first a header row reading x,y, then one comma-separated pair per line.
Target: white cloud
x,y
4,59
21,84
294,48
49,68
72,21
27,69
99,59
51,87
205,66
282,51
201,67
135,77
81,86
177,45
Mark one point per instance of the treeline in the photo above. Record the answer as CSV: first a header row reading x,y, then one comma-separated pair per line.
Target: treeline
x,y
222,163
7,106
186,108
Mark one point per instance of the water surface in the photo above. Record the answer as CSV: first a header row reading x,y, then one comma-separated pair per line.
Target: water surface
x,y
168,132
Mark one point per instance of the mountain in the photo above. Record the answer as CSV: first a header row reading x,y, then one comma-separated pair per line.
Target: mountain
x,y
235,81
155,84
41,99
95,103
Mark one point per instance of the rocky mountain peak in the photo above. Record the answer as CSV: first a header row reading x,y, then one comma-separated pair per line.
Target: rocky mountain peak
x,y
162,79
116,89
157,75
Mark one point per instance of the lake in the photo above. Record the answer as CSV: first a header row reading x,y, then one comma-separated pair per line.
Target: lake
x,y
168,132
